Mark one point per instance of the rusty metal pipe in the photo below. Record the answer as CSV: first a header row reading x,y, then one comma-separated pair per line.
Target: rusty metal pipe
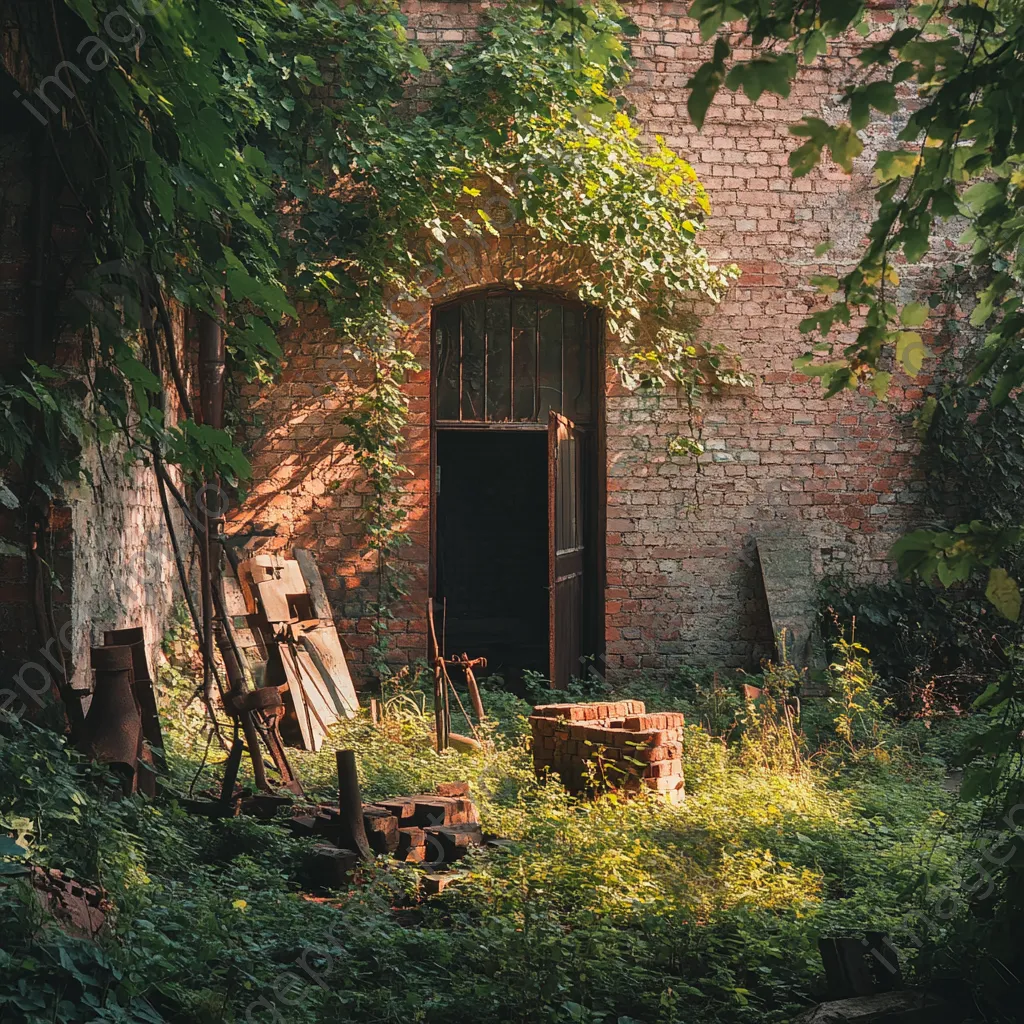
x,y
211,403
252,741
350,803
212,362
474,693
113,726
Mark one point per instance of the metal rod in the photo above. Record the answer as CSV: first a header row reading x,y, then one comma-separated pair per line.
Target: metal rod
x,y
252,741
439,704
233,763
206,576
447,711
465,714
211,399
474,694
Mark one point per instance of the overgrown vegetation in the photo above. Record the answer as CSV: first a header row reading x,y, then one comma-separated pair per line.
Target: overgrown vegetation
x,y
265,153
938,647
604,911
959,155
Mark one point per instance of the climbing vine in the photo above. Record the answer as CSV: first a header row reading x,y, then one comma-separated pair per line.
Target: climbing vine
x,y
376,427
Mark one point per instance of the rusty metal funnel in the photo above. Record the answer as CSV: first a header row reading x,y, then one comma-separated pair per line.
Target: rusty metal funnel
x,y
142,684
113,726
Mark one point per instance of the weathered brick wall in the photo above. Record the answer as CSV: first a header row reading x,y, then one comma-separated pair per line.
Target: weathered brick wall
x,y
104,540
683,586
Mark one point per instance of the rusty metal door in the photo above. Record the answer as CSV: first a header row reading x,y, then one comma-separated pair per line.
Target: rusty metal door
x,y
565,551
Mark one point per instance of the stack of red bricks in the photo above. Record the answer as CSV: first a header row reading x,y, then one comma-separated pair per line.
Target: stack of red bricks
x,y
429,828
609,747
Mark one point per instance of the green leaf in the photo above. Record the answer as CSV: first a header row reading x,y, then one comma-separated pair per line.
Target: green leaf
x,y
704,85
880,384
1002,590
815,45
914,314
1006,383
845,147
712,14
86,10
764,74
911,351
882,96
899,164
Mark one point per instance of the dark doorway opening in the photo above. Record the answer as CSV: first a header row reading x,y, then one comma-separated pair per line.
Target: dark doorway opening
x,y
492,548
517,502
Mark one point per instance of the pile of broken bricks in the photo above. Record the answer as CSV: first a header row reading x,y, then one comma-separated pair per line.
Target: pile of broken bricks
x,y
614,746
79,910
428,829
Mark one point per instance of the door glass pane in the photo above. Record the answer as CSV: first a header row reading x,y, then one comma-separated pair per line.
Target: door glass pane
x,y
499,358
524,360
473,359
549,330
576,360
446,341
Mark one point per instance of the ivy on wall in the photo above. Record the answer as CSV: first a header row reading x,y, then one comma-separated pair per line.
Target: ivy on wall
x,y
239,158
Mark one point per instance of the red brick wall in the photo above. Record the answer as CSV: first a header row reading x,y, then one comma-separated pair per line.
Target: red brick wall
x,y
682,586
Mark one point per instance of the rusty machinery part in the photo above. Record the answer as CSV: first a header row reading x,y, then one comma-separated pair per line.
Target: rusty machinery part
x,y
146,771
142,684
272,737
267,698
259,712
231,766
465,661
467,664
350,805
113,726
252,741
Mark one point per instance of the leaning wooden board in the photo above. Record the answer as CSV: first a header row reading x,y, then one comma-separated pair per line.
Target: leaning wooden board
x,y
317,700
297,703
324,649
324,644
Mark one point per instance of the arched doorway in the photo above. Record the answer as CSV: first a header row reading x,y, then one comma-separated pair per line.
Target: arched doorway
x,y
517,482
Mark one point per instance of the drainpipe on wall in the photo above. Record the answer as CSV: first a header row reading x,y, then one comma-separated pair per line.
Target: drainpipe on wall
x,y
211,402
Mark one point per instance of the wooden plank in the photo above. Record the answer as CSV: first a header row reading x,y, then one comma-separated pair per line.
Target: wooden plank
x,y
295,699
316,691
234,600
247,585
263,567
324,648
269,581
312,683
274,600
314,584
